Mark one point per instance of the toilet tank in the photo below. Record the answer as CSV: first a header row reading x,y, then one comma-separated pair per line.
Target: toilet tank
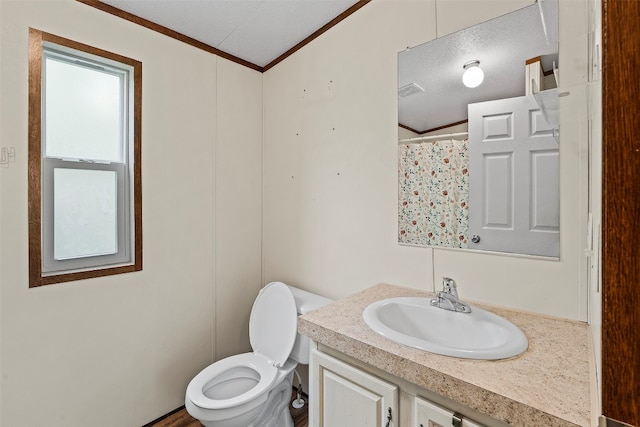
x,y
305,302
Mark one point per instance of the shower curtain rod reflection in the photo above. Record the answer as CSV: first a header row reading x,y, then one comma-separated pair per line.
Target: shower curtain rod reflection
x,y
432,137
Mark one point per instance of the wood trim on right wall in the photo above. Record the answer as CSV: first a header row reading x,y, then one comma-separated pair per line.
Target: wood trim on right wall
x,y
621,211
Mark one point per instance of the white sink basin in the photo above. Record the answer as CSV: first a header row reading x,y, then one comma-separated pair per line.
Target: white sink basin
x,y
477,335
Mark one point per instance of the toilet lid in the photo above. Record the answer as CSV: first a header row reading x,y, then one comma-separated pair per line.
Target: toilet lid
x,y
274,322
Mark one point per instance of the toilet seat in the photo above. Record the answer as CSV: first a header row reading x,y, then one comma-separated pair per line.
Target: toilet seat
x,y
255,361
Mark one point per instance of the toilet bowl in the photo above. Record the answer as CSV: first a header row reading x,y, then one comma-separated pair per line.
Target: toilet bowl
x,y
254,389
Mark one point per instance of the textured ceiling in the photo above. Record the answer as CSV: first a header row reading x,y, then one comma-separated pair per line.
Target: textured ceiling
x,y
257,31
502,45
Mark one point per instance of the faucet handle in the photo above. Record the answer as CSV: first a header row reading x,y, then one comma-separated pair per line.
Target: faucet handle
x,y
449,286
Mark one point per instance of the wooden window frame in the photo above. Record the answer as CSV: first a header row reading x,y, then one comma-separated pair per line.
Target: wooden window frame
x,y
36,277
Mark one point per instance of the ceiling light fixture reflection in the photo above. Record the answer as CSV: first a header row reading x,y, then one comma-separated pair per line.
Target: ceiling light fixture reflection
x,y
473,74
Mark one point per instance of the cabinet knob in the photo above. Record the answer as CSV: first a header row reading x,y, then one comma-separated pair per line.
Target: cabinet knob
x,y
389,418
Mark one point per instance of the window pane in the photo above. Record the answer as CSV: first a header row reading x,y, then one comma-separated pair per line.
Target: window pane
x,y
85,214
83,112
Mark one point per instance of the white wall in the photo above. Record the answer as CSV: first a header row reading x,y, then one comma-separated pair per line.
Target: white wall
x,y
330,171
455,15
238,200
595,294
120,350
330,156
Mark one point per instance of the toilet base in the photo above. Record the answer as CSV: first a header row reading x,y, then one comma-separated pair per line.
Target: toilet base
x,y
274,412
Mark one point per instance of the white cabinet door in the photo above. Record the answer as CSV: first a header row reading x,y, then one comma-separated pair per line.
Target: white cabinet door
x,y
344,396
430,415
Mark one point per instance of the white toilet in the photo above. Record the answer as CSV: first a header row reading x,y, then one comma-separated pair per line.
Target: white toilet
x,y
254,389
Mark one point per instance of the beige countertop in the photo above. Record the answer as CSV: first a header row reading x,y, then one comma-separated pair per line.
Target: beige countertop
x,y
547,385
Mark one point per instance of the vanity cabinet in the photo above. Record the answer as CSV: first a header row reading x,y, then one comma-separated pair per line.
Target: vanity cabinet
x,y
540,387
343,395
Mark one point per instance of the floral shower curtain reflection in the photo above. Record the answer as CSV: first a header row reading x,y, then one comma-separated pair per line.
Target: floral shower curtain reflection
x,y
434,194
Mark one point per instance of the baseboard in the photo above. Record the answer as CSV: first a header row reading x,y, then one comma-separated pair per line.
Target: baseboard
x,y
167,415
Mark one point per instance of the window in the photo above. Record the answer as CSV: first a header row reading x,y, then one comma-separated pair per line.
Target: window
x,y
85,213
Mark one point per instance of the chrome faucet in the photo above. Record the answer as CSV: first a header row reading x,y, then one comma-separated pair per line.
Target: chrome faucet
x,y
447,298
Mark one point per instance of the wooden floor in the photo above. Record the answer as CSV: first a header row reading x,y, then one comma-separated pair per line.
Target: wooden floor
x,y
183,419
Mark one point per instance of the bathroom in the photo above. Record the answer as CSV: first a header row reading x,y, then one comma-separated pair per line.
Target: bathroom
x,y
248,178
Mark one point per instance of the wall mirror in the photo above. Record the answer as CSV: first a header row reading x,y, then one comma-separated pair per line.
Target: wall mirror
x,y
479,165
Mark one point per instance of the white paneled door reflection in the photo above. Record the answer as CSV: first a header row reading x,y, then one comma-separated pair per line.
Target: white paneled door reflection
x,y
514,203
